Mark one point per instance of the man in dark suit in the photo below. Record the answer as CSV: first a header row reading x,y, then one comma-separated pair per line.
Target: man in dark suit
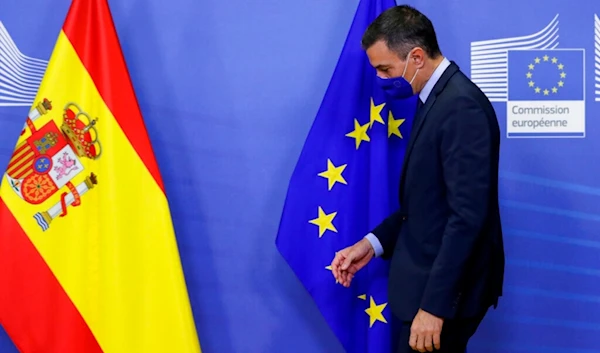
x,y
445,243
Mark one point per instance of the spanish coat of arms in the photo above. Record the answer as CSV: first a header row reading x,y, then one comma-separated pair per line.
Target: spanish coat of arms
x,y
46,161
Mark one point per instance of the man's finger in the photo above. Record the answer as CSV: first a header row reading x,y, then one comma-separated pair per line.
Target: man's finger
x,y
346,278
335,265
334,270
412,342
421,343
348,261
353,269
349,277
429,343
437,341
342,277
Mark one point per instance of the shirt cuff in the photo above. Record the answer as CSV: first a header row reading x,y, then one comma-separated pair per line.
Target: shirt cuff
x,y
375,244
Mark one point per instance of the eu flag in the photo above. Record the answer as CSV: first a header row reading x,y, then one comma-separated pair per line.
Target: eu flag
x,y
344,184
546,74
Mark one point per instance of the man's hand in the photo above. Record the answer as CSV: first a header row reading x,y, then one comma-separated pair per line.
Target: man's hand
x,y
425,332
351,259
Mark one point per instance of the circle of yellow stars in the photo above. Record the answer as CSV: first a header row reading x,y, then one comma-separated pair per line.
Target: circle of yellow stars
x,y
553,61
334,175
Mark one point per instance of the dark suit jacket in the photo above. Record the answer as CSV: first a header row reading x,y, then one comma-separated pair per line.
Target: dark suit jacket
x,y
445,242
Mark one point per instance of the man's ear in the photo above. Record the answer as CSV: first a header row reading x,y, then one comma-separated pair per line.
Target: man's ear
x,y
418,57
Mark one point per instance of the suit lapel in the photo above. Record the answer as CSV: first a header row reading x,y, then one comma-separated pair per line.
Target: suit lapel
x,y
421,116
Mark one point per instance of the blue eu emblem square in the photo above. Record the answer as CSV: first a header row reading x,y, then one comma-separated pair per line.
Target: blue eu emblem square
x,y
546,93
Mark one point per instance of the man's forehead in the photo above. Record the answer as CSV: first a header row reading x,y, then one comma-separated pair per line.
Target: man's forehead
x,y
380,55
382,63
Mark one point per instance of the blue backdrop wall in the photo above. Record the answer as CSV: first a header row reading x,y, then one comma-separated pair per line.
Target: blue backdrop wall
x,y
229,90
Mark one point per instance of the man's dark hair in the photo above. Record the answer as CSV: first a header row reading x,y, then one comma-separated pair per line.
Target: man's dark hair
x,y
402,28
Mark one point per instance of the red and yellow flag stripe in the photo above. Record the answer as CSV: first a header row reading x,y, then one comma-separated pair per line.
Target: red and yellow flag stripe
x,y
106,276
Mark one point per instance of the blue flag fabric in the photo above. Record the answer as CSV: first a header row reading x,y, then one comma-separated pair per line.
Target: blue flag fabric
x,y
344,184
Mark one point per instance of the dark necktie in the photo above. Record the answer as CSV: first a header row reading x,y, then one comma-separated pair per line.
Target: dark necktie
x,y
418,111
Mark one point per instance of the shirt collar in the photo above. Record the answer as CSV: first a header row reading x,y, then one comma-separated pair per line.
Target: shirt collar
x,y
437,73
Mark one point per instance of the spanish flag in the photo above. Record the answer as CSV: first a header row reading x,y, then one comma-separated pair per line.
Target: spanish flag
x,y
88,256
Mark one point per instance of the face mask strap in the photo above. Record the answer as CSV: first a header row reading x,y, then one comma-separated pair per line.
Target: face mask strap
x,y
406,65
415,75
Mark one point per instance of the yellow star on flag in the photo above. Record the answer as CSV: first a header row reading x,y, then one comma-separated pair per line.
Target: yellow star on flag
x,y
394,125
333,174
376,113
359,133
375,312
324,222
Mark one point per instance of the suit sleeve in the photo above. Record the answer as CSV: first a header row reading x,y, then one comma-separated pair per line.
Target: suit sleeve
x,y
387,233
465,149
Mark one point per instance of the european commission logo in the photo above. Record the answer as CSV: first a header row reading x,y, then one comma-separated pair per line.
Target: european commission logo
x,y
542,85
546,93
20,75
